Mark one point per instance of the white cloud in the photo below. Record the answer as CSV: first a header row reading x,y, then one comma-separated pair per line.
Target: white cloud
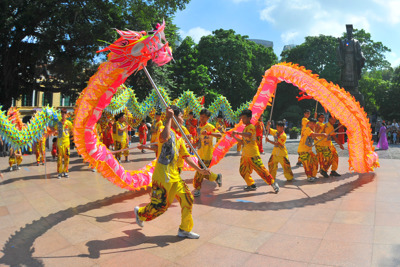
x,y
266,15
392,10
289,37
394,59
303,4
315,17
196,33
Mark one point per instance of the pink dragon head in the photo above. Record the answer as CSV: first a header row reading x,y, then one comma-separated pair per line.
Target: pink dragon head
x,y
134,49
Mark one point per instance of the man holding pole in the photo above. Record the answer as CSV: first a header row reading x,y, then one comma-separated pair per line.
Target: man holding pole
x,y
260,129
251,159
206,132
326,151
121,136
166,181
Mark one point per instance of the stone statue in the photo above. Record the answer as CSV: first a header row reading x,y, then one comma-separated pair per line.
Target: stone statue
x,y
351,60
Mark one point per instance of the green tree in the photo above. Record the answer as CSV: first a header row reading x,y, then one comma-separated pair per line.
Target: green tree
x,y
317,53
390,108
51,44
374,90
235,64
374,52
188,74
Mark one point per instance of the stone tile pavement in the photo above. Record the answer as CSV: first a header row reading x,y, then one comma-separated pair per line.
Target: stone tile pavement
x,y
352,220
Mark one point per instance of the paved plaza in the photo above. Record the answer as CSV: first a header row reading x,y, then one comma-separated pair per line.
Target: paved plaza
x,y
352,220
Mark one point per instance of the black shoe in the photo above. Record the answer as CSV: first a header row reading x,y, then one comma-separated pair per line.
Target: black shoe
x,y
252,187
334,173
299,163
323,173
219,180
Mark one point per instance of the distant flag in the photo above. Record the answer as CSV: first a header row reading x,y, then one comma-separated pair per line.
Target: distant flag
x,y
303,95
202,100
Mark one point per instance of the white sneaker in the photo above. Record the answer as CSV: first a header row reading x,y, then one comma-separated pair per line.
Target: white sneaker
x,y
196,193
311,179
59,176
138,220
93,170
18,168
185,234
10,169
66,175
275,186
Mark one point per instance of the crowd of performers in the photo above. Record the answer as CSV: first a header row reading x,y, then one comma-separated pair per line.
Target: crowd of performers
x,y
171,152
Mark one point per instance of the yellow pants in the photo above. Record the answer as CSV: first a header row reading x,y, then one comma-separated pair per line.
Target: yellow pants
x,y
239,147
248,164
62,153
198,177
40,151
285,163
119,146
12,161
327,157
310,163
162,196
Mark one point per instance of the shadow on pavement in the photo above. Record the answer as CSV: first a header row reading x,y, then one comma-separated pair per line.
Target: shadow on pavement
x,y
18,249
227,200
132,238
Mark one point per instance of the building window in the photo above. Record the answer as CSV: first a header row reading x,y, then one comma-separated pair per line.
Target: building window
x,y
47,99
67,100
26,100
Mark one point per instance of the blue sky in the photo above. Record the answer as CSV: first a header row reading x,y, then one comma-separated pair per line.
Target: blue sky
x,y
289,21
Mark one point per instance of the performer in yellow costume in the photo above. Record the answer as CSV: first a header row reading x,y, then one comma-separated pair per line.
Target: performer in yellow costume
x,y
40,150
15,158
121,136
220,125
155,127
279,153
307,157
64,131
205,132
251,159
167,184
326,151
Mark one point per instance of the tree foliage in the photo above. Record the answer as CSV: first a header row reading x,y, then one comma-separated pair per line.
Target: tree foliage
x,y
390,108
222,63
374,52
318,53
50,44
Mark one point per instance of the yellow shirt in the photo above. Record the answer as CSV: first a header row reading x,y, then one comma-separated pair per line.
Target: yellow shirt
x,y
250,147
206,149
120,134
304,122
222,126
154,130
281,139
64,130
327,141
306,141
166,169
181,161
320,130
